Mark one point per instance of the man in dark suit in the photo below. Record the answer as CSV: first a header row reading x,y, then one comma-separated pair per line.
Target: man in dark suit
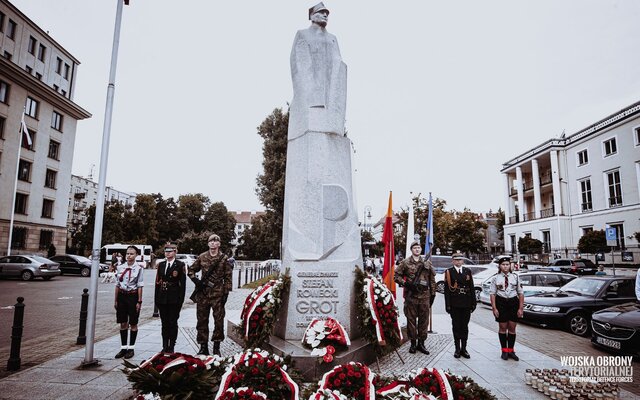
x,y
169,295
460,302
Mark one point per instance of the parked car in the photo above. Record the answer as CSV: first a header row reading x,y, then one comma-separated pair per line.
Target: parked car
x,y
572,305
74,264
26,267
441,263
479,273
187,259
617,328
578,266
533,282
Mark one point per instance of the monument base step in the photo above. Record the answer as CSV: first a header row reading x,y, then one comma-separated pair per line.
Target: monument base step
x,y
308,365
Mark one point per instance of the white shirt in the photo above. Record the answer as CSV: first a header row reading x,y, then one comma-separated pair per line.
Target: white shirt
x,y
131,276
512,289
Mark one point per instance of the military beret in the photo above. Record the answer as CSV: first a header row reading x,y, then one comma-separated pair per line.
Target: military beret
x,y
415,243
213,237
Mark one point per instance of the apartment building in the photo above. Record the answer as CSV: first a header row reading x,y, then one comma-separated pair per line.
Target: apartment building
x,y
244,220
84,194
565,187
37,75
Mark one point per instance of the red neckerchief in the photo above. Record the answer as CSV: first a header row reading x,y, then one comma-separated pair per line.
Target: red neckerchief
x,y
127,269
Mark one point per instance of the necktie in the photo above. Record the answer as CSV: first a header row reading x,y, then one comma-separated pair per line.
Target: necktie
x,y
506,282
166,272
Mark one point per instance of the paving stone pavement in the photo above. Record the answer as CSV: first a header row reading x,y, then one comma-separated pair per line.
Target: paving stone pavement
x,y
61,378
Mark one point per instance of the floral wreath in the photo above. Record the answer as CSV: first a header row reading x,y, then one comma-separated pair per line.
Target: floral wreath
x,y
323,335
244,393
353,380
261,371
260,310
378,313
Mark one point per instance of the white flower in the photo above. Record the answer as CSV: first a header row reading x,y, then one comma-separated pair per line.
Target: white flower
x,y
319,351
315,343
320,336
319,326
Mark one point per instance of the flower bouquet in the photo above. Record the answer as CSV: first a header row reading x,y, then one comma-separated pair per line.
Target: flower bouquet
x,y
379,313
261,371
176,375
323,335
260,310
327,394
353,380
242,393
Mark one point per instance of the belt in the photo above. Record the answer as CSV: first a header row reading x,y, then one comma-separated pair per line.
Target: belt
x,y
123,291
461,290
165,285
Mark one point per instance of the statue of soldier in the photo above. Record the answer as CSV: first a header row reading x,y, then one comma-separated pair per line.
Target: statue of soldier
x,y
212,290
416,276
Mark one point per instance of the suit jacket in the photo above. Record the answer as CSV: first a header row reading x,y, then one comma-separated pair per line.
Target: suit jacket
x,y
170,285
453,280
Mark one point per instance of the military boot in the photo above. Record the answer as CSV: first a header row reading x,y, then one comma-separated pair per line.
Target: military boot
x,y
456,353
421,347
204,349
216,348
412,348
463,350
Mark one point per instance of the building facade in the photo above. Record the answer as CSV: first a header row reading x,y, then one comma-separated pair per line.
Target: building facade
x,y
84,194
566,187
37,76
244,220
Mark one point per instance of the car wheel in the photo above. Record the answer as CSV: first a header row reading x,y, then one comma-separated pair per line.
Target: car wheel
x,y
578,324
85,272
478,291
47,278
440,287
26,275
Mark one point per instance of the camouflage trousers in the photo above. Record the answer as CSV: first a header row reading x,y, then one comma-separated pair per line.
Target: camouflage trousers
x,y
203,308
417,313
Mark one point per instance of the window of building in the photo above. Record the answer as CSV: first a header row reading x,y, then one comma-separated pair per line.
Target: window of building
x,y
56,121
4,92
512,240
31,107
586,203
25,142
636,135
583,157
11,29
42,52
19,238
2,123
24,170
619,236
546,241
610,147
58,65
21,203
46,239
615,188
586,229
527,234
1,22
66,71
47,208
31,47
54,149
50,178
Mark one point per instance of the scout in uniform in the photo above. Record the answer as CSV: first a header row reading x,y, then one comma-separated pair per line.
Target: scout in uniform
x,y
169,295
212,290
507,302
128,301
417,278
460,302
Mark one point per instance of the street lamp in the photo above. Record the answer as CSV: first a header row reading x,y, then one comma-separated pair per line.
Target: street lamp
x,y
367,216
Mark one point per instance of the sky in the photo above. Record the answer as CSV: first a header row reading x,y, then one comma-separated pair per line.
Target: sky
x,y
440,93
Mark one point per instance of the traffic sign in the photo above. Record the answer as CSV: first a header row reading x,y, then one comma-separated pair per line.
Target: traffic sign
x,y
611,234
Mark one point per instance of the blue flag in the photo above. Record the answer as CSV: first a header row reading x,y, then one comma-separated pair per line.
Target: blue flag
x,y
429,239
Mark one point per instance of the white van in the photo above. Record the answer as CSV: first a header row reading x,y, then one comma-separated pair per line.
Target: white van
x,y
144,253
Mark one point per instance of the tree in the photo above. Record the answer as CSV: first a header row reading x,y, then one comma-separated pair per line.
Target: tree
x,y
529,245
466,232
193,242
219,220
270,184
500,222
141,226
257,242
168,224
191,209
114,222
593,242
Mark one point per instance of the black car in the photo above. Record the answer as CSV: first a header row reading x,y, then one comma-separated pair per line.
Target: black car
x,y
73,264
579,266
617,328
571,306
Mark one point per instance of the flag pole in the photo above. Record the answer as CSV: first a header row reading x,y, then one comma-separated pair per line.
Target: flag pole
x,y
15,183
97,230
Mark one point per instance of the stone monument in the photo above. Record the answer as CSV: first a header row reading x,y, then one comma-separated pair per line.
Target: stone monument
x,y
321,237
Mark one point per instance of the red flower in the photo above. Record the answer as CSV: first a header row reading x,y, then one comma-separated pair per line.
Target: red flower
x,y
331,349
327,358
432,389
336,382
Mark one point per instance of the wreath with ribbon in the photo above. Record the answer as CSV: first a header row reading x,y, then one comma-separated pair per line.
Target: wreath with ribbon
x,y
323,335
260,310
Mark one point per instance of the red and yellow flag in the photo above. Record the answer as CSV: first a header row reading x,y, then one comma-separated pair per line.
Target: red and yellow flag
x,y
389,254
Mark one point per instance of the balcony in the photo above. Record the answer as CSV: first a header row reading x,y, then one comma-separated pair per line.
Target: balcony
x,y
79,195
513,190
527,185
529,216
545,178
546,213
615,201
515,219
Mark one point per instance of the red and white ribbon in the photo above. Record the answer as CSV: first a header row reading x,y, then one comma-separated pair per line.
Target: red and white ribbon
x,y
264,292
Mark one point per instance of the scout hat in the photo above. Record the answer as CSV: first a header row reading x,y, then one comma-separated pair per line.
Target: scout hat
x,y
414,243
318,7
502,258
213,237
457,255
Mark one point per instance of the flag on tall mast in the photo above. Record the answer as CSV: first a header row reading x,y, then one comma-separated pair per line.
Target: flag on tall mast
x,y
428,245
25,131
388,269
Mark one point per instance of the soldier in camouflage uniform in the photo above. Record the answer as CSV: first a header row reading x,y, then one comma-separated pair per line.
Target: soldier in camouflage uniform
x,y
417,295
212,289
